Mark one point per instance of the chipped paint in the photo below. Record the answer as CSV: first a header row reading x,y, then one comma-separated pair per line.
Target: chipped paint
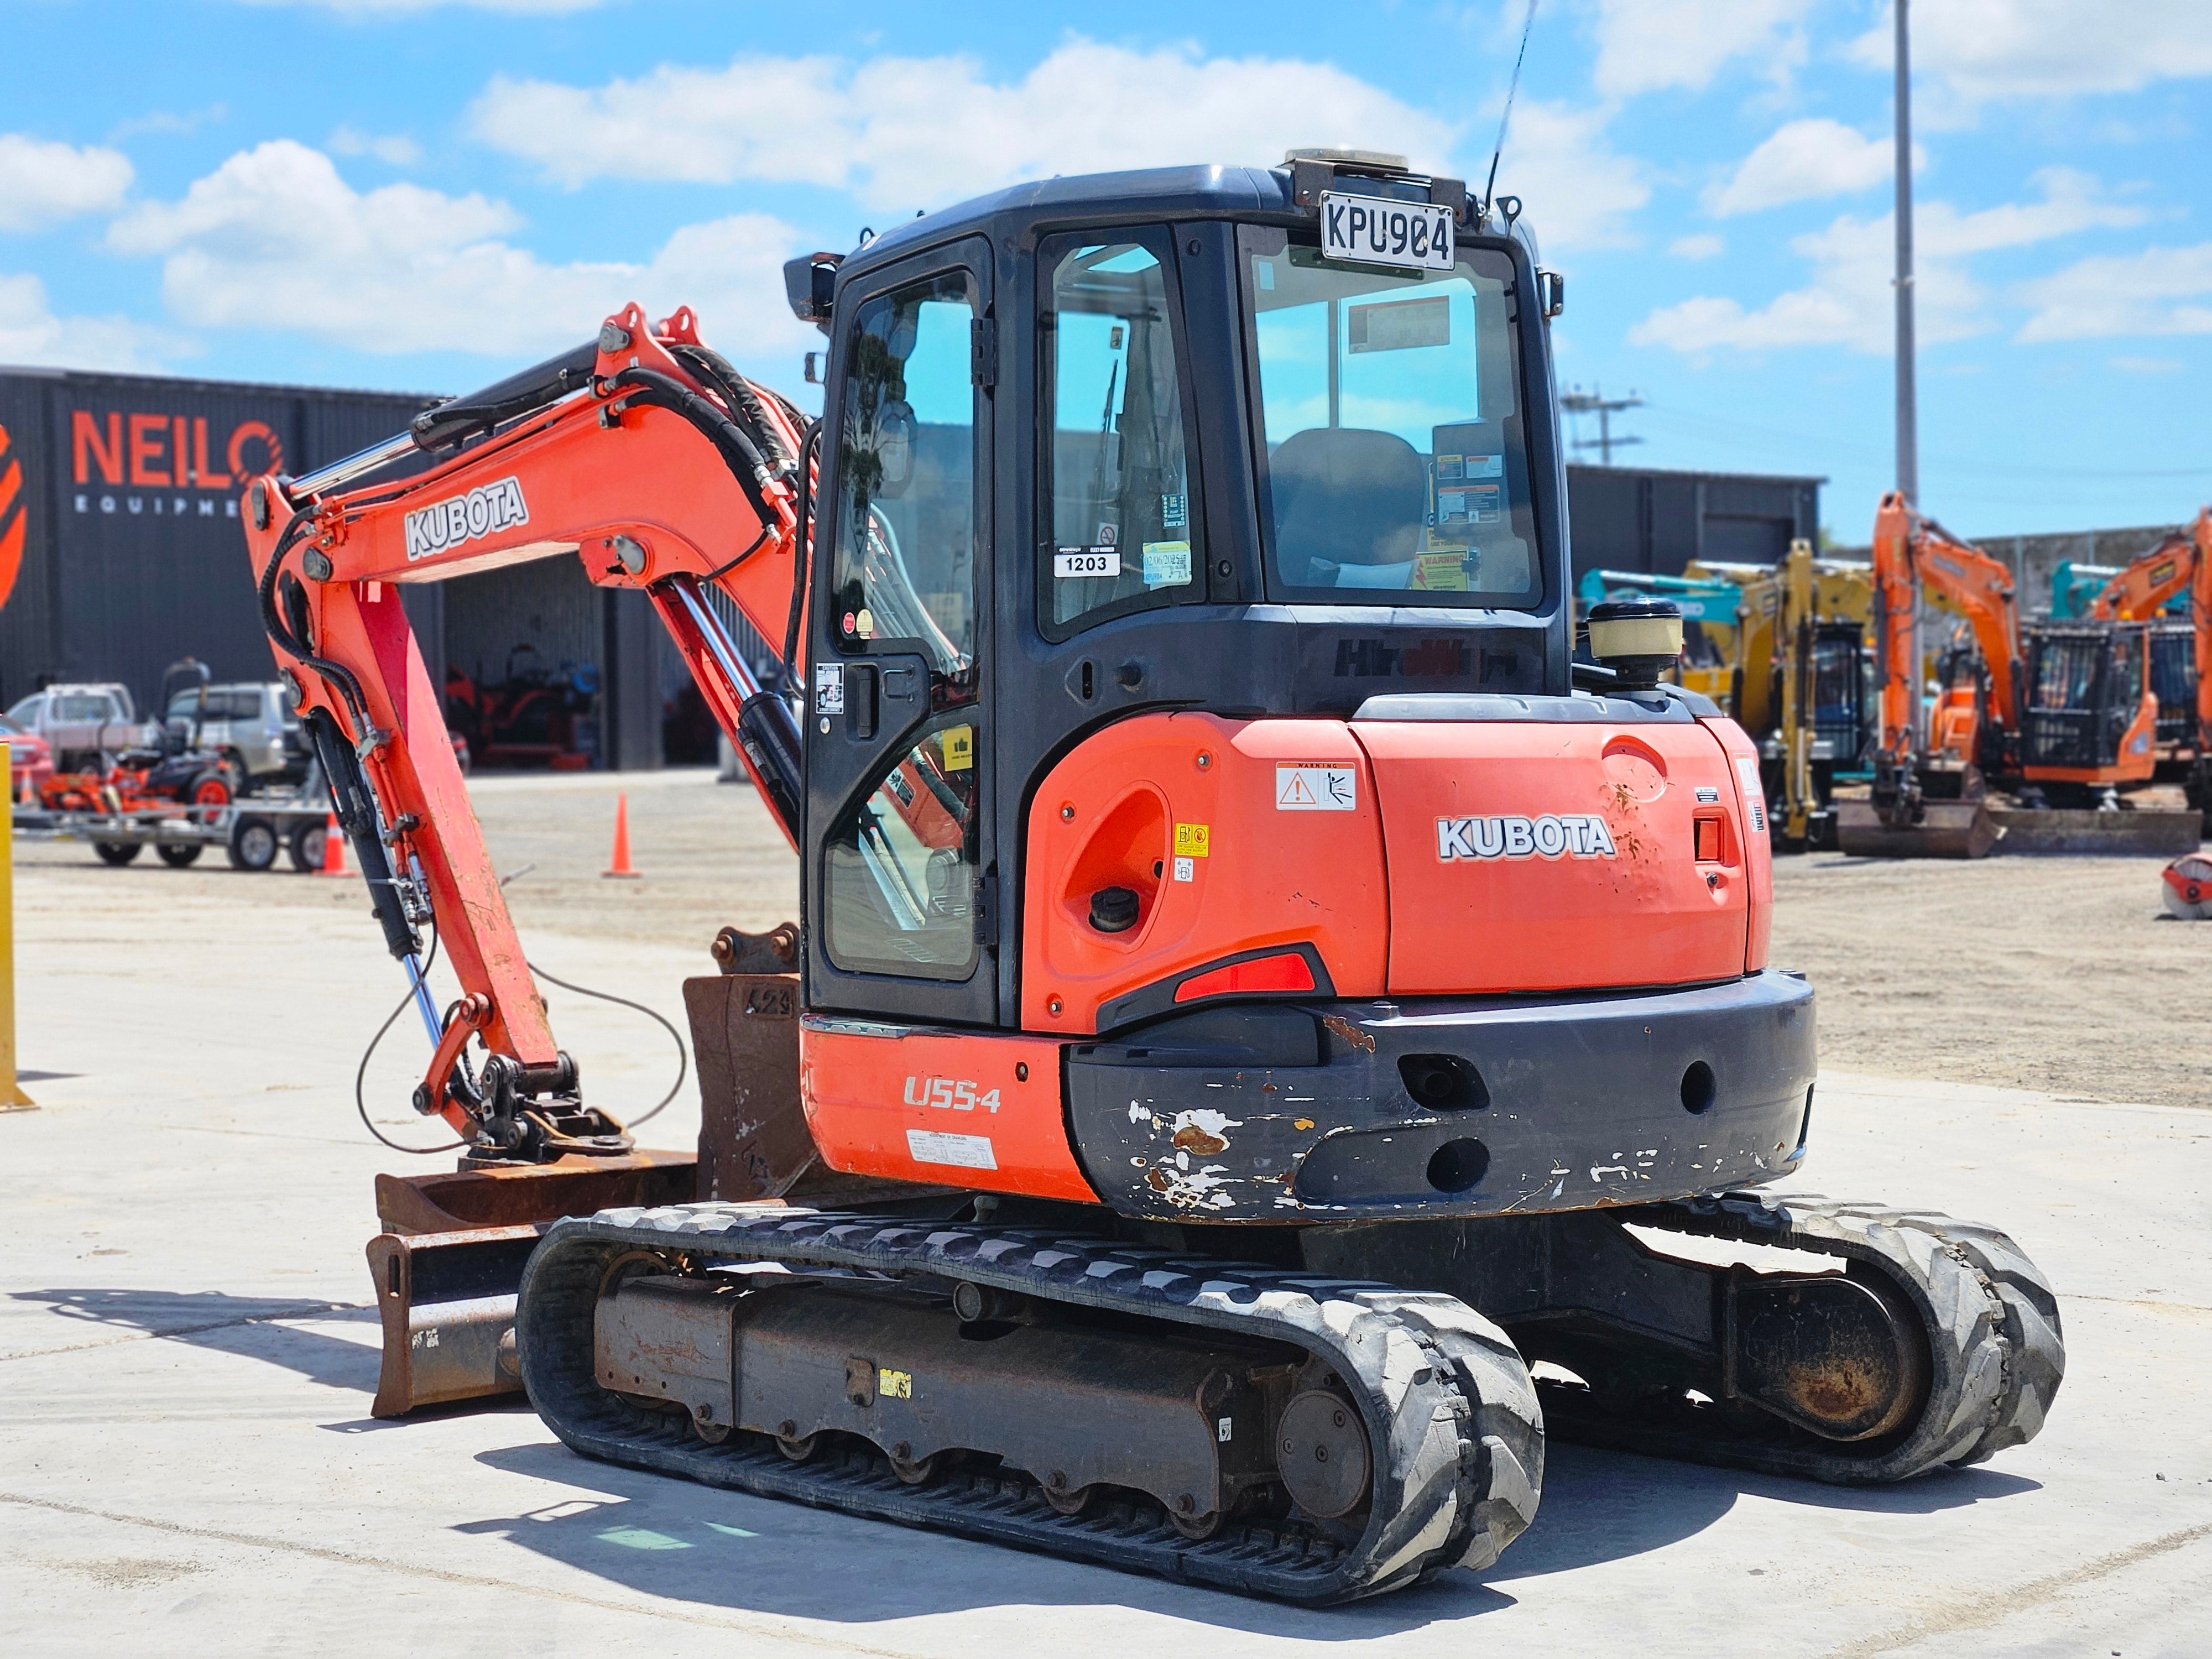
x,y
1346,1031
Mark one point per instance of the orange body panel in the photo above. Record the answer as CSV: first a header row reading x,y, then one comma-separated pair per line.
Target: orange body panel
x,y
969,1110
1749,820
1498,882
1111,815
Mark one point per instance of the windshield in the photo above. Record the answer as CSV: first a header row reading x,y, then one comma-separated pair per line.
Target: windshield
x,y
1396,452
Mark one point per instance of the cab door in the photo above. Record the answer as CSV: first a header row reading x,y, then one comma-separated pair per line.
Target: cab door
x,y
900,865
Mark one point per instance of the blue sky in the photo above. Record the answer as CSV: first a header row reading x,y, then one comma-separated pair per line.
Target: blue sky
x,y
423,194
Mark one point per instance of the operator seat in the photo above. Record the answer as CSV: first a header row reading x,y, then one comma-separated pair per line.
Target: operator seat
x,y
1349,505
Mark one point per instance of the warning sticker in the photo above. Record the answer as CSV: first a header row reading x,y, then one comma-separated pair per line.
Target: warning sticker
x,y
1439,573
1316,789
1754,792
894,1385
1191,840
1185,869
958,743
963,1151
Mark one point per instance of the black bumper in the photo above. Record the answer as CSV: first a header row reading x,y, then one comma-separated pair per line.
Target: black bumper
x,y
1334,1111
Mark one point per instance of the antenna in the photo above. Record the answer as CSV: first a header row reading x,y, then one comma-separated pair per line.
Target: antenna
x,y
1506,114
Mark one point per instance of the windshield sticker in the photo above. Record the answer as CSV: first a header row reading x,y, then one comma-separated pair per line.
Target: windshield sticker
x,y
1167,564
958,746
1110,535
483,511
1316,789
1486,467
1175,512
1439,573
1582,836
1072,563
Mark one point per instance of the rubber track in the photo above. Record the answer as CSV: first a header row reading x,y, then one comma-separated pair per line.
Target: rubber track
x,y
1996,1349
1451,1414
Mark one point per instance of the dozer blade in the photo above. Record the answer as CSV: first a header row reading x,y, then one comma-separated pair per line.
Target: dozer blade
x,y
448,1265
2150,833
1947,830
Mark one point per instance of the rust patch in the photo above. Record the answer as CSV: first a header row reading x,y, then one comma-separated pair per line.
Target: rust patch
x,y
1192,1139
1157,1179
1349,1032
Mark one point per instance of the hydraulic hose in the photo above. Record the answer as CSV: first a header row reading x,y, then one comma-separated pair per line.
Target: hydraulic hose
x,y
739,451
801,561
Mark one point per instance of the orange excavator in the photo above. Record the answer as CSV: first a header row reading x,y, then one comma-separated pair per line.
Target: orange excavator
x,y
2138,592
1254,996
2054,710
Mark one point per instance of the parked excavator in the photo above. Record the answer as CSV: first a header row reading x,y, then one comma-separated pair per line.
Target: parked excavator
x,y
2061,711
2178,569
1253,997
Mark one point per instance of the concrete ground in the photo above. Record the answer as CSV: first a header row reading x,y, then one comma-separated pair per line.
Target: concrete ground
x,y
187,1350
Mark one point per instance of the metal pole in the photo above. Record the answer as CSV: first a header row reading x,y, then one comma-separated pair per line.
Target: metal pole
x,y
12,1097
1908,435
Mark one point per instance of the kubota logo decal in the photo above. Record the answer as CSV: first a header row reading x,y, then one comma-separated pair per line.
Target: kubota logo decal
x,y
13,515
1582,836
483,511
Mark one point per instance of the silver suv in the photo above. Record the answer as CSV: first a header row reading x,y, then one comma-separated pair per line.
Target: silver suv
x,y
253,725
82,722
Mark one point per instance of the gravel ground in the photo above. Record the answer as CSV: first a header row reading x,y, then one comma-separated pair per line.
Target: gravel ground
x,y
2061,975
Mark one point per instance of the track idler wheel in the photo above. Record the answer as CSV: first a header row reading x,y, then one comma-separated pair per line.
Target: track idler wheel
x,y
1840,1357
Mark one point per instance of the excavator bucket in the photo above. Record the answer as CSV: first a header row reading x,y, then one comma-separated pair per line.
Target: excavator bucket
x,y
1947,830
2147,832
448,1264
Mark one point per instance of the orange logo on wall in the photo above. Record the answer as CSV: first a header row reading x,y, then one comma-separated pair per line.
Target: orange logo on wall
x,y
12,516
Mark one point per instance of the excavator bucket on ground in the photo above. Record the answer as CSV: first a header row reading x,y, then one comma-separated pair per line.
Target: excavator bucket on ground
x,y
2146,831
449,1261
1946,830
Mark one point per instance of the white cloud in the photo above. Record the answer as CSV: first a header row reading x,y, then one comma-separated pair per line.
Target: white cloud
x,y
31,334
1982,50
396,147
1648,45
1802,161
2147,364
914,132
274,238
2159,290
42,182
1579,194
1850,302
1703,247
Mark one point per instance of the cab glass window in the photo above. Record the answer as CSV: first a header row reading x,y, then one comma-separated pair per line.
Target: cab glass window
x,y
902,866
1396,452
1121,530
905,559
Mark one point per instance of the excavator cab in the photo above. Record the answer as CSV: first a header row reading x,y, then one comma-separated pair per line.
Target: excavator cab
x,y
2090,716
1249,980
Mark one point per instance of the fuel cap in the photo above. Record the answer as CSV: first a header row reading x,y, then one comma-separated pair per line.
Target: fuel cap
x,y
1114,909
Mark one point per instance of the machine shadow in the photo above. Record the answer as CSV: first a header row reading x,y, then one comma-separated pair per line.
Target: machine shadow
x,y
703,1545
252,1327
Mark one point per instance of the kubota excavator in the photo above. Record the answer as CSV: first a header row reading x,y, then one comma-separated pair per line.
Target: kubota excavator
x,y
2064,707
1252,997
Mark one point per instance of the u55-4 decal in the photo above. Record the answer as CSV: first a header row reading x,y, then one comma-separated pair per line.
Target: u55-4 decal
x,y
1574,835
949,1094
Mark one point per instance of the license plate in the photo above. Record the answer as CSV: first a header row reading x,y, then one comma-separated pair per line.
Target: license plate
x,y
1369,231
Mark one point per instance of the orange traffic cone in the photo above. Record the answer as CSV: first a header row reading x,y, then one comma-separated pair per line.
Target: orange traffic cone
x,y
619,866
333,848
29,796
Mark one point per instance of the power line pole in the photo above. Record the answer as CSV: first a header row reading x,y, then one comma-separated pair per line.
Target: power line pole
x,y
1593,401
1908,433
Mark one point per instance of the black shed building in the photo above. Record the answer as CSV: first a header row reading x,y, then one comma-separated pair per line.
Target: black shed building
x,y
1637,518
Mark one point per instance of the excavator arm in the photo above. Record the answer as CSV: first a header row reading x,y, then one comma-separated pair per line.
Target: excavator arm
x,y
1910,550
647,457
2183,559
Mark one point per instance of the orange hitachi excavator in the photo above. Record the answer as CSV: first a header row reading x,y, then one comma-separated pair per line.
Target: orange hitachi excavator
x,y
2062,708
2137,593
1248,982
